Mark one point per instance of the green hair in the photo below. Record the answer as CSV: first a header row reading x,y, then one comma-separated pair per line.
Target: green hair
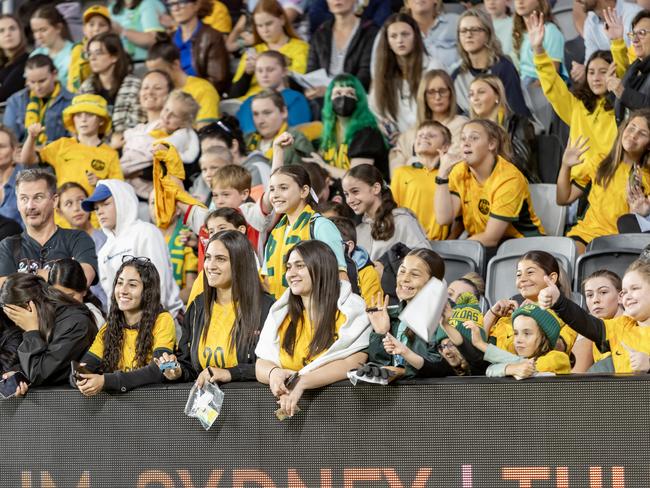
x,y
361,118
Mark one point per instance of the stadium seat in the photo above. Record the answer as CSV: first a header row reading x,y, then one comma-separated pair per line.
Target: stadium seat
x,y
502,271
457,266
618,241
615,260
563,18
563,248
549,147
230,106
464,248
552,215
579,298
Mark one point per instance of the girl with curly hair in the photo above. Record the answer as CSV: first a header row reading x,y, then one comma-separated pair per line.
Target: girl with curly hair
x,y
136,331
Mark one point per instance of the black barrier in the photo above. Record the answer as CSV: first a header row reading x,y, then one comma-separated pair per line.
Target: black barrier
x,y
467,433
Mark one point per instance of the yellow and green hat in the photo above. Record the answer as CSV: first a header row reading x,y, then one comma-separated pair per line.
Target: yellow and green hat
x,y
546,320
92,104
97,10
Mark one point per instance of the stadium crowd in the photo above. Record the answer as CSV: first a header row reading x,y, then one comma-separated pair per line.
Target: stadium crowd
x,y
217,191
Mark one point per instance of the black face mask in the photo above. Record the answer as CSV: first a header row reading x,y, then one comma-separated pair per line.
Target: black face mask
x,y
344,105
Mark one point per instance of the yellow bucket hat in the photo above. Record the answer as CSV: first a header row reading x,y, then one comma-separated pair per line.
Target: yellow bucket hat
x,y
92,104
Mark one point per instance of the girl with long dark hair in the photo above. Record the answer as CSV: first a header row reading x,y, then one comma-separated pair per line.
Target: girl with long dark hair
x,y
112,79
383,223
316,330
137,330
223,323
57,329
13,56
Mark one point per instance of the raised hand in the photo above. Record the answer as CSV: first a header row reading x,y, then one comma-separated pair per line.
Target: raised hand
x,y
613,82
448,160
639,361
613,24
549,295
477,338
504,308
378,314
393,346
574,152
535,27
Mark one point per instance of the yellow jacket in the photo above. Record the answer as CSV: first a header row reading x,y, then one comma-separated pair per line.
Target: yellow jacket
x,y
599,126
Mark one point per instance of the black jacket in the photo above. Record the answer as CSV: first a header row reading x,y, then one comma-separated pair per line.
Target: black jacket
x,y
10,338
48,361
636,88
188,345
12,77
357,59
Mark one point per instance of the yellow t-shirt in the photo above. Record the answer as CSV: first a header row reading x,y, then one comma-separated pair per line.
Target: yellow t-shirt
x,y
504,335
215,350
605,205
296,52
414,187
164,340
206,96
369,284
556,362
219,19
304,336
503,196
625,330
79,68
71,159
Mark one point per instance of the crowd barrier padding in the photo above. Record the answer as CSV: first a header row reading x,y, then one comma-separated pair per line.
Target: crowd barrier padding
x,y
573,432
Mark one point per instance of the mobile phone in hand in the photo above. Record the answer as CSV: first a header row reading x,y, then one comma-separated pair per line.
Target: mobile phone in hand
x,y
8,386
78,369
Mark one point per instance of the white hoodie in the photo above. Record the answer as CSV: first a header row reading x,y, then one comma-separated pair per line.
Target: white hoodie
x,y
137,238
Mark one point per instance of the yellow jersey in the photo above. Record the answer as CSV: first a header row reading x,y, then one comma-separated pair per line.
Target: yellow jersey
x,y
206,96
605,204
504,335
553,362
304,336
414,187
216,350
296,52
71,160
503,196
164,340
625,330
369,283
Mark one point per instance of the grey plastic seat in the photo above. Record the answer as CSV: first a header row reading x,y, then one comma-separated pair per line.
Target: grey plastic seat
x,y
620,241
552,215
463,248
555,245
615,260
456,266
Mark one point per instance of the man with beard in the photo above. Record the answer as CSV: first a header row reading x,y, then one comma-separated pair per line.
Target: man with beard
x,y
43,242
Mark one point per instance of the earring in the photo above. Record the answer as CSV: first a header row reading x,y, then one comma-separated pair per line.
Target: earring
x,y
496,102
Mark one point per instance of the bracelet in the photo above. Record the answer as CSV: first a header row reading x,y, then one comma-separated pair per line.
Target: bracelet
x,y
270,372
441,181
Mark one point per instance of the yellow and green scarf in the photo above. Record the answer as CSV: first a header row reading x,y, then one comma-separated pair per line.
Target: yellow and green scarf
x,y
282,239
256,139
177,253
36,110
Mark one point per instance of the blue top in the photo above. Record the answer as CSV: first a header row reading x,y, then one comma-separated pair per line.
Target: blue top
x,y
440,41
9,206
185,47
61,60
297,107
554,47
143,18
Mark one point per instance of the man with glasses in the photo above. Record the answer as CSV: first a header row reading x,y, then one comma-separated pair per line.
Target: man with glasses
x,y
116,206
203,49
43,242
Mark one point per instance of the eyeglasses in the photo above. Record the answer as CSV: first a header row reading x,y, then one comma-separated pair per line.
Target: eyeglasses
x,y
432,92
639,34
179,3
470,30
127,258
442,347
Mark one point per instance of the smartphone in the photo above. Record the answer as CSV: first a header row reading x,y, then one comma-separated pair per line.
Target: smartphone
x,y
8,386
168,365
78,369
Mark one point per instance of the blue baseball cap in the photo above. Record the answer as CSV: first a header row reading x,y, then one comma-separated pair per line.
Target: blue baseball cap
x,y
102,192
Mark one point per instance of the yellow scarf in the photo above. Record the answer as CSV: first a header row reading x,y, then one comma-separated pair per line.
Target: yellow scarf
x,y
256,140
36,110
282,239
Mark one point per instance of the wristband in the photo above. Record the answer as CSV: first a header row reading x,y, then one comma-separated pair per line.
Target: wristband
x,y
270,372
441,181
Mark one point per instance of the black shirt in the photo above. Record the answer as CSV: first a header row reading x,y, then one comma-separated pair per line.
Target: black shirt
x,y
22,253
12,78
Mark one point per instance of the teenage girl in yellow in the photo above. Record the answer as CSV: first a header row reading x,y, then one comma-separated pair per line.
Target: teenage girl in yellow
x,y
136,331
481,186
627,336
607,181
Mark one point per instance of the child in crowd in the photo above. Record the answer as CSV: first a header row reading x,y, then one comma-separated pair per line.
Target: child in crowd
x,y
487,191
369,281
602,292
626,336
84,158
383,224
468,283
536,332
271,72
414,186
136,331
502,20
213,158
53,38
96,20
184,262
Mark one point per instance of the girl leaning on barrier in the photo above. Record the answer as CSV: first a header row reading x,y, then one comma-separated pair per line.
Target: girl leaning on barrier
x,y
137,330
223,324
316,331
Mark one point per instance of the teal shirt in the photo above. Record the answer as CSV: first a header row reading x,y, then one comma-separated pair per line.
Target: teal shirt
x,y
143,18
61,60
553,45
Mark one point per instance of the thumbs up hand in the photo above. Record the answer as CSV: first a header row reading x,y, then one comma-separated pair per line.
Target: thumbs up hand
x,y
639,361
549,295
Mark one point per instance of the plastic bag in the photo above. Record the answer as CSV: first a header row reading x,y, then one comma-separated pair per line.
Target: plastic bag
x,y
204,404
